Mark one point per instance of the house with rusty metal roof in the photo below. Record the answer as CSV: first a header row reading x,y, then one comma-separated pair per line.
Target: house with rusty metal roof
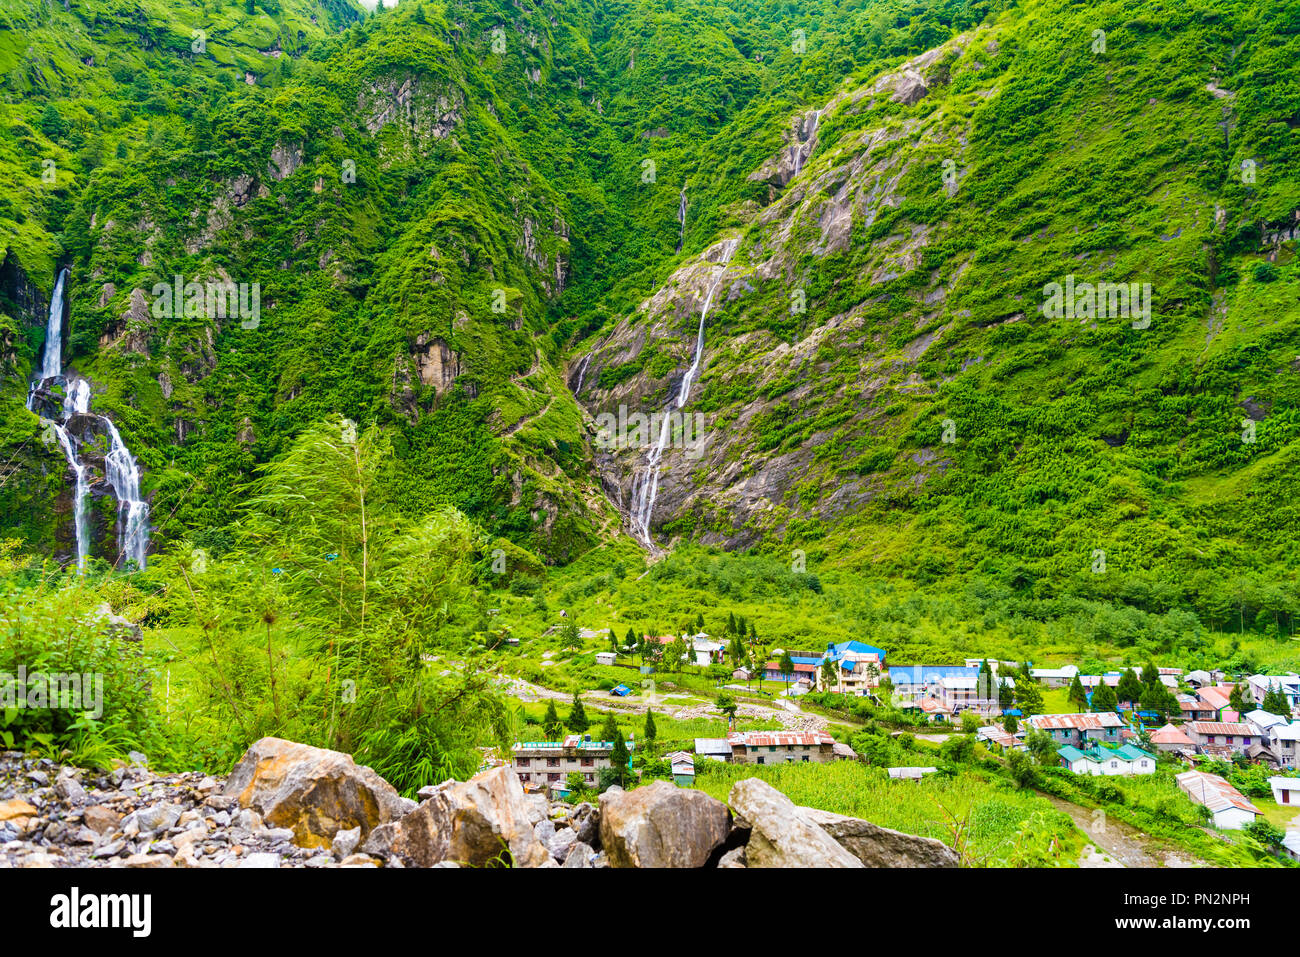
x,y
781,747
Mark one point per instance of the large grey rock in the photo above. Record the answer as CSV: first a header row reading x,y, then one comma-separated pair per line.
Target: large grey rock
x,y
481,822
781,834
580,855
661,825
877,846
561,843
312,791
585,821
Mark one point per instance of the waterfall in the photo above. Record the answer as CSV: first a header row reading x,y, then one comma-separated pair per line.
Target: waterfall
x,y
808,129
52,356
123,474
582,371
646,489
681,218
121,470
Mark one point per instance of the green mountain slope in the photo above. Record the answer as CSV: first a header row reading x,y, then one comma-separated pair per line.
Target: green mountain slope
x,y
452,209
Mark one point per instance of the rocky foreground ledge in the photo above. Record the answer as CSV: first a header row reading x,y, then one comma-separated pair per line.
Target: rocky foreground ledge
x,y
291,805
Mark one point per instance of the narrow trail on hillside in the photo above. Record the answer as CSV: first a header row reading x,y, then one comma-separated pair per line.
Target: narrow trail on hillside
x,y
1124,845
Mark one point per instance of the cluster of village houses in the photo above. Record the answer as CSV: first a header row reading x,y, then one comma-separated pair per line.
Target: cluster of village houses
x,y
1096,743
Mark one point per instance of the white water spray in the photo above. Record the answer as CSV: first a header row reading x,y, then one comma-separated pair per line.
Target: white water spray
x,y
121,470
807,127
646,488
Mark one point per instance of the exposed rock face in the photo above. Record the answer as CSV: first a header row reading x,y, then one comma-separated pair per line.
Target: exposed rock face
x,y
285,159
661,825
420,109
435,363
130,332
878,846
313,792
781,834
480,822
730,485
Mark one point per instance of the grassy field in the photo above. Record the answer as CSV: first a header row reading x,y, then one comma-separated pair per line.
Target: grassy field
x,y
990,823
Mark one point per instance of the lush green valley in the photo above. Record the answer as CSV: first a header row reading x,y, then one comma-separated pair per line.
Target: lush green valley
x,y
381,514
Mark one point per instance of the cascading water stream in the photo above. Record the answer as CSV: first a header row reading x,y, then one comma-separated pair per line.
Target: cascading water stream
x,y
121,470
809,140
681,219
646,489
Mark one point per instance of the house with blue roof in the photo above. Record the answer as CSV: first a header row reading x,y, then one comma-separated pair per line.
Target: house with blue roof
x,y
858,667
914,683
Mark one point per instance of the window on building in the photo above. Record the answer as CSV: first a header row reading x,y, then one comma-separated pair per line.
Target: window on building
x,y
552,762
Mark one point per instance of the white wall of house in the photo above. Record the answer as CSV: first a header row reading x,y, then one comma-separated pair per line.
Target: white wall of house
x,y
1232,819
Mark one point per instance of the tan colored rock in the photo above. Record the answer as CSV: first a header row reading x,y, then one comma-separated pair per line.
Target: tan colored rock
x,y
15,808
877,846
18,813
148,860
661,825
781,834
312,791
100,819
482,822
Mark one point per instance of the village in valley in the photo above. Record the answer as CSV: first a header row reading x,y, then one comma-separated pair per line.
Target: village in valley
x,y
1199,730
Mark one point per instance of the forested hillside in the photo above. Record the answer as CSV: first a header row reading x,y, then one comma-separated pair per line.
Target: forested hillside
x,y
461,214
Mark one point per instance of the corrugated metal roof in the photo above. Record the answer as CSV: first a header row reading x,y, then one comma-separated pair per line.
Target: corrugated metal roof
x,y
779,739
1222,727
1212,791
1078,722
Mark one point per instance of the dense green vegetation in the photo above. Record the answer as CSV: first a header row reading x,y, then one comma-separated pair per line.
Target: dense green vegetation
x,y
446,206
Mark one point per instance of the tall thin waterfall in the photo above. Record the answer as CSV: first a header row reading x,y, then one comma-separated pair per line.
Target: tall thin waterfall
x,y
681,219
807,126
121,470
645,489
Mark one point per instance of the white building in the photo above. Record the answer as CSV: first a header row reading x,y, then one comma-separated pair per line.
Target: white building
x,y
1123,761
1286,791
1229,808
1054,677
1289,684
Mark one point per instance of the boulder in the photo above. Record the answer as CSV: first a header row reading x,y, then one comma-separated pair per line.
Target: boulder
x,y
580,855
482,822
585,821
781,834
877,846
661,825
345,842
312,791
733,858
